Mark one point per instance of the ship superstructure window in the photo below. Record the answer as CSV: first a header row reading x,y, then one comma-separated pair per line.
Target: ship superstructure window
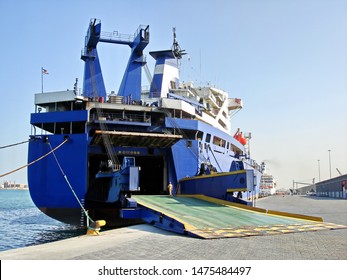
x,y
208,138
235,149
199,135
219,141
193,134
173,84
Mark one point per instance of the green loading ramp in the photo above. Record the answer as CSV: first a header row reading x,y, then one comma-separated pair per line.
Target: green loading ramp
x,y
206,217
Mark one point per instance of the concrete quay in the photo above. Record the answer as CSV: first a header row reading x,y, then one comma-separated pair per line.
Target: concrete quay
x,y
144,242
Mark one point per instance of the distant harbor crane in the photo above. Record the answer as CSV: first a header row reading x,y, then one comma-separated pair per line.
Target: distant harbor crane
x,y
300,183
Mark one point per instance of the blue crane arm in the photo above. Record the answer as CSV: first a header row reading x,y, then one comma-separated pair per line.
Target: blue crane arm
x,y
93,85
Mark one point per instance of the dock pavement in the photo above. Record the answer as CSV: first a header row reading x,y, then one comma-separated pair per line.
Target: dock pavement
x,y
145,242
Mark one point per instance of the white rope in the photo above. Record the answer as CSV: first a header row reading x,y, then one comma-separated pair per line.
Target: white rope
x,y
71,188
34,161
7,146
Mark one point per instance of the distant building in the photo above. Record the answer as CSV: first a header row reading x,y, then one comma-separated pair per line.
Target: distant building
x,y
14,185
282,192
334,187
306,190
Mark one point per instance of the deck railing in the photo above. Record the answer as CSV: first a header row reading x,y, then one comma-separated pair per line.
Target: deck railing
x,y
121,117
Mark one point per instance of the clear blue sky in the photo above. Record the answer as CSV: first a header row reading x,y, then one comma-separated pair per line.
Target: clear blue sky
x,y
286,59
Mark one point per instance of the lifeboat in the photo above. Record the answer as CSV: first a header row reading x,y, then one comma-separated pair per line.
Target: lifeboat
x,y
239,137
243,140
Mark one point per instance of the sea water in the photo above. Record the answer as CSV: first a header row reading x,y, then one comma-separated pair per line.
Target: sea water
x,y
22,224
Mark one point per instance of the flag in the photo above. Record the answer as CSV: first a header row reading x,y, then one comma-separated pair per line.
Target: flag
x,y
44,71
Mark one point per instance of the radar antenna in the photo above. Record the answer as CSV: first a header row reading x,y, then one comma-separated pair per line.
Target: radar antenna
x,y
176,49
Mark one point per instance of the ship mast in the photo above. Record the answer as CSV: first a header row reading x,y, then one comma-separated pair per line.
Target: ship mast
x,y
176,49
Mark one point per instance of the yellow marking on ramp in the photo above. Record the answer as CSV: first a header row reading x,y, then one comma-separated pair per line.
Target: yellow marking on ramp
x,y
296,216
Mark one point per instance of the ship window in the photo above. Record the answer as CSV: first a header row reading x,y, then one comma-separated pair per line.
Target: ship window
x,y
219,141
173,84
199,135
208,138
189,144
193,134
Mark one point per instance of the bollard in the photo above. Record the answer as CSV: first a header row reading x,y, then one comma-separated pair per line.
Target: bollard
x,y
94,228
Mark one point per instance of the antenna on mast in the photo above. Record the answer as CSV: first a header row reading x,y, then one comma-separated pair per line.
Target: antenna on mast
x,y
176,49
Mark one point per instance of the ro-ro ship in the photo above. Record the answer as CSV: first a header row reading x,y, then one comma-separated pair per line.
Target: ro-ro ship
x,y
108,147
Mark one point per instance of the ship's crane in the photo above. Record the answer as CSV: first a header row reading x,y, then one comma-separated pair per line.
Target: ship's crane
x,y
130,87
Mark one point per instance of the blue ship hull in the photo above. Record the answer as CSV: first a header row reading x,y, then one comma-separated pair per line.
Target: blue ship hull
x,y
80,159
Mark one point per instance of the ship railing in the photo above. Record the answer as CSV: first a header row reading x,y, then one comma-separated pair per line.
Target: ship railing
x,y
85,53
116,36
145,89
121,117
138,30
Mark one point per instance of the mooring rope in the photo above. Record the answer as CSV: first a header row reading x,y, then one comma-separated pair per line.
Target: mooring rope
x,y
71,188
7,146
34,161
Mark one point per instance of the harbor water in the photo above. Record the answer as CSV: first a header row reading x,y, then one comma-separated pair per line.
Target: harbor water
x,y
22,224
